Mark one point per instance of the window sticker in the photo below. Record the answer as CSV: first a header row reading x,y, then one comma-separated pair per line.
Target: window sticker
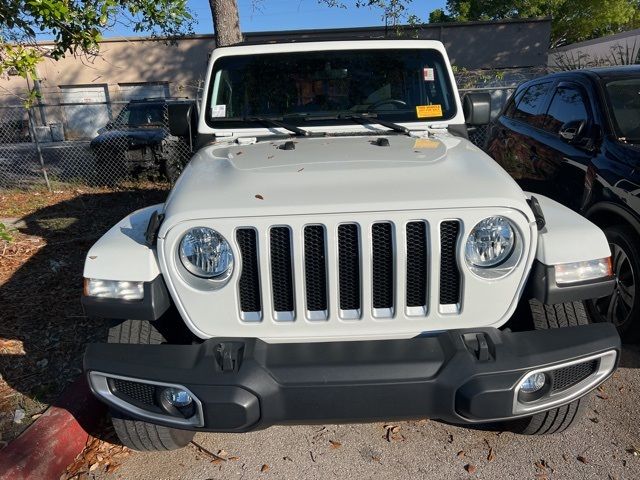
x,y
428,74
218,111
425,143
428,111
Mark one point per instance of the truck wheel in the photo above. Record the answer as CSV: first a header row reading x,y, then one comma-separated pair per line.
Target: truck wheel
x,y
622,307
556,420
138,434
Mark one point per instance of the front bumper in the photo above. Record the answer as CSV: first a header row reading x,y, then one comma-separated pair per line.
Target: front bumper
x,y
459,376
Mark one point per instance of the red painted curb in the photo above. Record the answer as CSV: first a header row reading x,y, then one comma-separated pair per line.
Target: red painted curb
x,y
54,440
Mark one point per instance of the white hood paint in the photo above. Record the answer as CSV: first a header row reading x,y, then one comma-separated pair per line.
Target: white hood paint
x,y
339,175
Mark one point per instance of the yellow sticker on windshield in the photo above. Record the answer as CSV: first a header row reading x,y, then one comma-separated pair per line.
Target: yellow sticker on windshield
x,y
428,111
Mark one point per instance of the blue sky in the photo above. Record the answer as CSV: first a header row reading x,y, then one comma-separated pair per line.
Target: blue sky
x,y
295,14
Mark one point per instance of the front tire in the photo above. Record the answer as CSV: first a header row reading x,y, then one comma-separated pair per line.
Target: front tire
x,y
556,420
622,307
138,434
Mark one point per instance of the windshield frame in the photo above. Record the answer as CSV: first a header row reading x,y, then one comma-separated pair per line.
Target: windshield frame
x,y
613,120
240,127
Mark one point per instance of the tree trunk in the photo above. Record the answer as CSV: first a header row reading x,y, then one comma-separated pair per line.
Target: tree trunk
x,y
226,22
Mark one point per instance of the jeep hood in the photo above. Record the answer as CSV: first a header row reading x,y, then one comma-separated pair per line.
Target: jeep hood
x,y
339,174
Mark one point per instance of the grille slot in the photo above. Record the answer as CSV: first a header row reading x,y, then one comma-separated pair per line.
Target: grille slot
x,y
566,377
249,284
416,264
449,272
349,270
315,270
141,393
383,277
281,273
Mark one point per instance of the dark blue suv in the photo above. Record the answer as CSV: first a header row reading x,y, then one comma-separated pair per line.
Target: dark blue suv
x,y
575,137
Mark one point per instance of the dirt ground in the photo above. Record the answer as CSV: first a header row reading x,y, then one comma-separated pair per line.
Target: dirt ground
x,y
43,329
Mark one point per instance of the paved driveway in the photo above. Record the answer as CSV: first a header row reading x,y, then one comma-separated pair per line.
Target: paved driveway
x,y
600,448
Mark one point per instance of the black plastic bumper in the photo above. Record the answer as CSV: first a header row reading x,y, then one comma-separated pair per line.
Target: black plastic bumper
x,y
460,376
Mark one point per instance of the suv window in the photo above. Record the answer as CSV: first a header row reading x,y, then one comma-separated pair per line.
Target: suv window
x,y
528,109
510,109
567,105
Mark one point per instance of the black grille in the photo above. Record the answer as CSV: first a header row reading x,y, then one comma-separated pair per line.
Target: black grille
x,y
142,393
315,268
349,267
249,280
416,264
566,377
281,273
382,266
449,273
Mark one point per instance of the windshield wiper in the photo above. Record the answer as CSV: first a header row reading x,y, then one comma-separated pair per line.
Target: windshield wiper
x,y
367,118
276,123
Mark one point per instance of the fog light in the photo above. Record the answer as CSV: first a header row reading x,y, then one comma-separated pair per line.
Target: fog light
x,y
177,397
533,383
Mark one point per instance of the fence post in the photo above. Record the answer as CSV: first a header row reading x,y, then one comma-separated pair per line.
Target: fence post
x,y
32,128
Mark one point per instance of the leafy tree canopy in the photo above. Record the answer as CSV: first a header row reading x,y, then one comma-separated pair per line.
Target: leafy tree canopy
x,y
572,21
77,25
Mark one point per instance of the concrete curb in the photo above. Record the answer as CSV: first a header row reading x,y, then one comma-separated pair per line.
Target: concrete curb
x,y
45,449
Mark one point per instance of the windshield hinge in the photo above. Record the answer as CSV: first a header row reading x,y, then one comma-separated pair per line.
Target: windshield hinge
x,y
223,133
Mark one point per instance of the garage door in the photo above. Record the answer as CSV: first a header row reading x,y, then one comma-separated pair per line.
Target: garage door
x,y
85,110
139,91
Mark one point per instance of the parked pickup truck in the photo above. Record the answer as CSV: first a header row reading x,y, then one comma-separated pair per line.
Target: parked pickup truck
x,y
337,251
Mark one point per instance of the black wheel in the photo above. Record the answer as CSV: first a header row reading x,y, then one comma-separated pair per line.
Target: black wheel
x,y
556,420
138,434
622,307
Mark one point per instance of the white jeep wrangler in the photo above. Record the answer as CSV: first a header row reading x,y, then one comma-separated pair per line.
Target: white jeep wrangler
x,y
338,251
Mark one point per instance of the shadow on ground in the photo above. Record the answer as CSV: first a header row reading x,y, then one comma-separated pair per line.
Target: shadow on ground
x,y
40,310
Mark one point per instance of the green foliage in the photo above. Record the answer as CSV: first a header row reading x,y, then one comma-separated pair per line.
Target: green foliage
x,y
393,12
572,21
4,233
77,25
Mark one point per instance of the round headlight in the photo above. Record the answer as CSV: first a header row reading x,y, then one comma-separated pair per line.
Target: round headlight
x,y
490,242
205,253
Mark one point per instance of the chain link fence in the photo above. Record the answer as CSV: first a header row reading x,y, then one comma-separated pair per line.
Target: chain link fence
x,y
97,144
109,143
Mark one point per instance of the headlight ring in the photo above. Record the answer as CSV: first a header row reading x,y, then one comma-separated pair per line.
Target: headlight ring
x,y
493,247
206,254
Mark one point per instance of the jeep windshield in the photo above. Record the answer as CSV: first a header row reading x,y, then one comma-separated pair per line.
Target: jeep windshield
x,y
624,107
322,88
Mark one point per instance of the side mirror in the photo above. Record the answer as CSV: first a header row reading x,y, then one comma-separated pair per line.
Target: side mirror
x,y
181,119
477,108
572,131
